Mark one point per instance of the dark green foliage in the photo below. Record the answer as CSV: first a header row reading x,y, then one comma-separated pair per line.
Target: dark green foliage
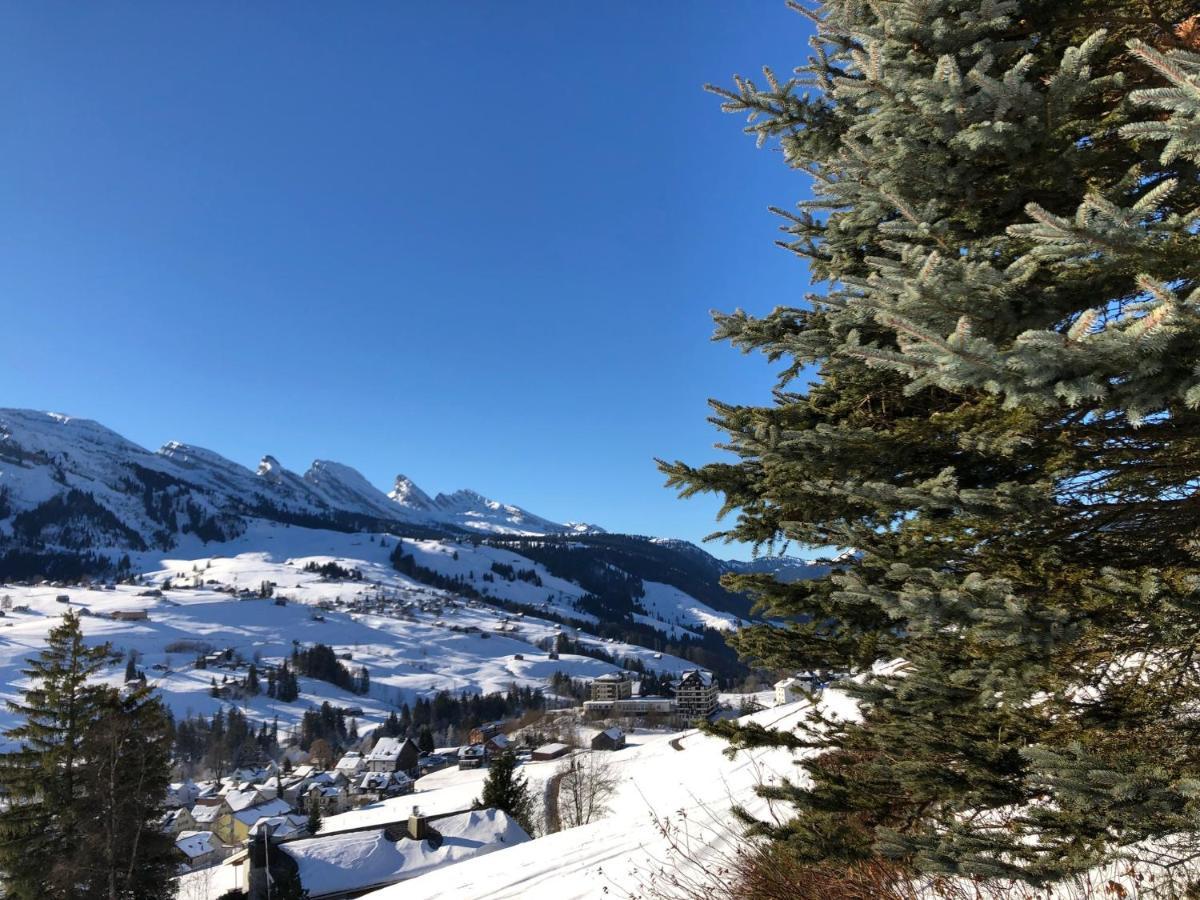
x,y
282,684
326,723
128,748
994,400
425,740
333,570
44,822
225,742
506,789
314,815
73,521
85,784
320,661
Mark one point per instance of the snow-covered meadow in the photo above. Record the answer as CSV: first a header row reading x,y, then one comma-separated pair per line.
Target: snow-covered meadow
x,y
413,639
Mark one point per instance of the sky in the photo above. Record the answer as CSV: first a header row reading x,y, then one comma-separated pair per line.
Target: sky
x,y
473,243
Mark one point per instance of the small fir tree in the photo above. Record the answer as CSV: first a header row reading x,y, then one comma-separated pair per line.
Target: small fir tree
x,y
425,740
506,789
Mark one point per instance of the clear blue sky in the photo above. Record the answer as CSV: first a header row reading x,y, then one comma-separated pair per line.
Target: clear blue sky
x,y
475,243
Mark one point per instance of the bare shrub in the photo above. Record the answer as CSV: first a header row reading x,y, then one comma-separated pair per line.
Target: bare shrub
x,y
713,862
586,784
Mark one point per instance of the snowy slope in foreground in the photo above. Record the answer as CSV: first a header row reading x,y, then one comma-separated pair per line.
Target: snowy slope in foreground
x,y
620,852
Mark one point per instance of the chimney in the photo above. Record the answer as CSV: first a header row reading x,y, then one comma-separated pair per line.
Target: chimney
x,y
418,825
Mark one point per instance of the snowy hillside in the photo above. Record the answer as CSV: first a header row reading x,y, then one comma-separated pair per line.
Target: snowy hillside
x,y
683,778
414,639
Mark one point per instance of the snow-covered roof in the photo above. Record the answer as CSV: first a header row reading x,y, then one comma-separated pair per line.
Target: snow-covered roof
x,y
252,814
281,826
350,761
552,748
615,733
470,751
197,843
239,800
208,810
385,750
705,678
359,860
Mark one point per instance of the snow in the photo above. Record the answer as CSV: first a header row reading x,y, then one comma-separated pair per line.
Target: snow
x,y
409,654
43,455
361,859
613,856
196,843
669,605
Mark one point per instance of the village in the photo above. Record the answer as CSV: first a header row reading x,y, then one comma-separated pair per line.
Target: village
x,y
279,644
305,809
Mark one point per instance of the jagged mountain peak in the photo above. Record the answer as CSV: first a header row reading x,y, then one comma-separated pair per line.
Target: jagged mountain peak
x,y
95,489
406,493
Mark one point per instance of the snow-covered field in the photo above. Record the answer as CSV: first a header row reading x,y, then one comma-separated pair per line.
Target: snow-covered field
x,y
413,639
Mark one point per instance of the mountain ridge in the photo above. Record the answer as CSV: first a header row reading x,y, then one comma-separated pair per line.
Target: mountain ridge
x,y
62,477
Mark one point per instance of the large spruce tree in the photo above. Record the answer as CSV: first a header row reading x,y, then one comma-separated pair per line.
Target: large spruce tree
x,y
993,400
85,782
44,822
125,853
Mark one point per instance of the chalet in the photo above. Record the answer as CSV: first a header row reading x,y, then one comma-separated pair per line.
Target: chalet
x,y
330,798
182,793
129,615
199,848
609,739
379,785
394,755
695,695
352,764
244,819
284,827
178,821
497,743
481,733
549,751
213,814
471,757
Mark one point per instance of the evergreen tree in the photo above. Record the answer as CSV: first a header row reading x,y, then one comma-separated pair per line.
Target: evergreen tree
x,y
507,790
994,402
131,672
314,814
44,820
124,853
425,740
252,685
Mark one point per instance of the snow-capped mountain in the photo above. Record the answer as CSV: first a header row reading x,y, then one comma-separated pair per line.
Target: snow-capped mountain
x,y
71,484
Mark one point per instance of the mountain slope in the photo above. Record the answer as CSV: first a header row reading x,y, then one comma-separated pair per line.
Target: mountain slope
x,y
69,484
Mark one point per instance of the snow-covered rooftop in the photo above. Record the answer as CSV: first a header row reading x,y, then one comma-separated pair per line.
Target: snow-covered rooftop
x,y
359,860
